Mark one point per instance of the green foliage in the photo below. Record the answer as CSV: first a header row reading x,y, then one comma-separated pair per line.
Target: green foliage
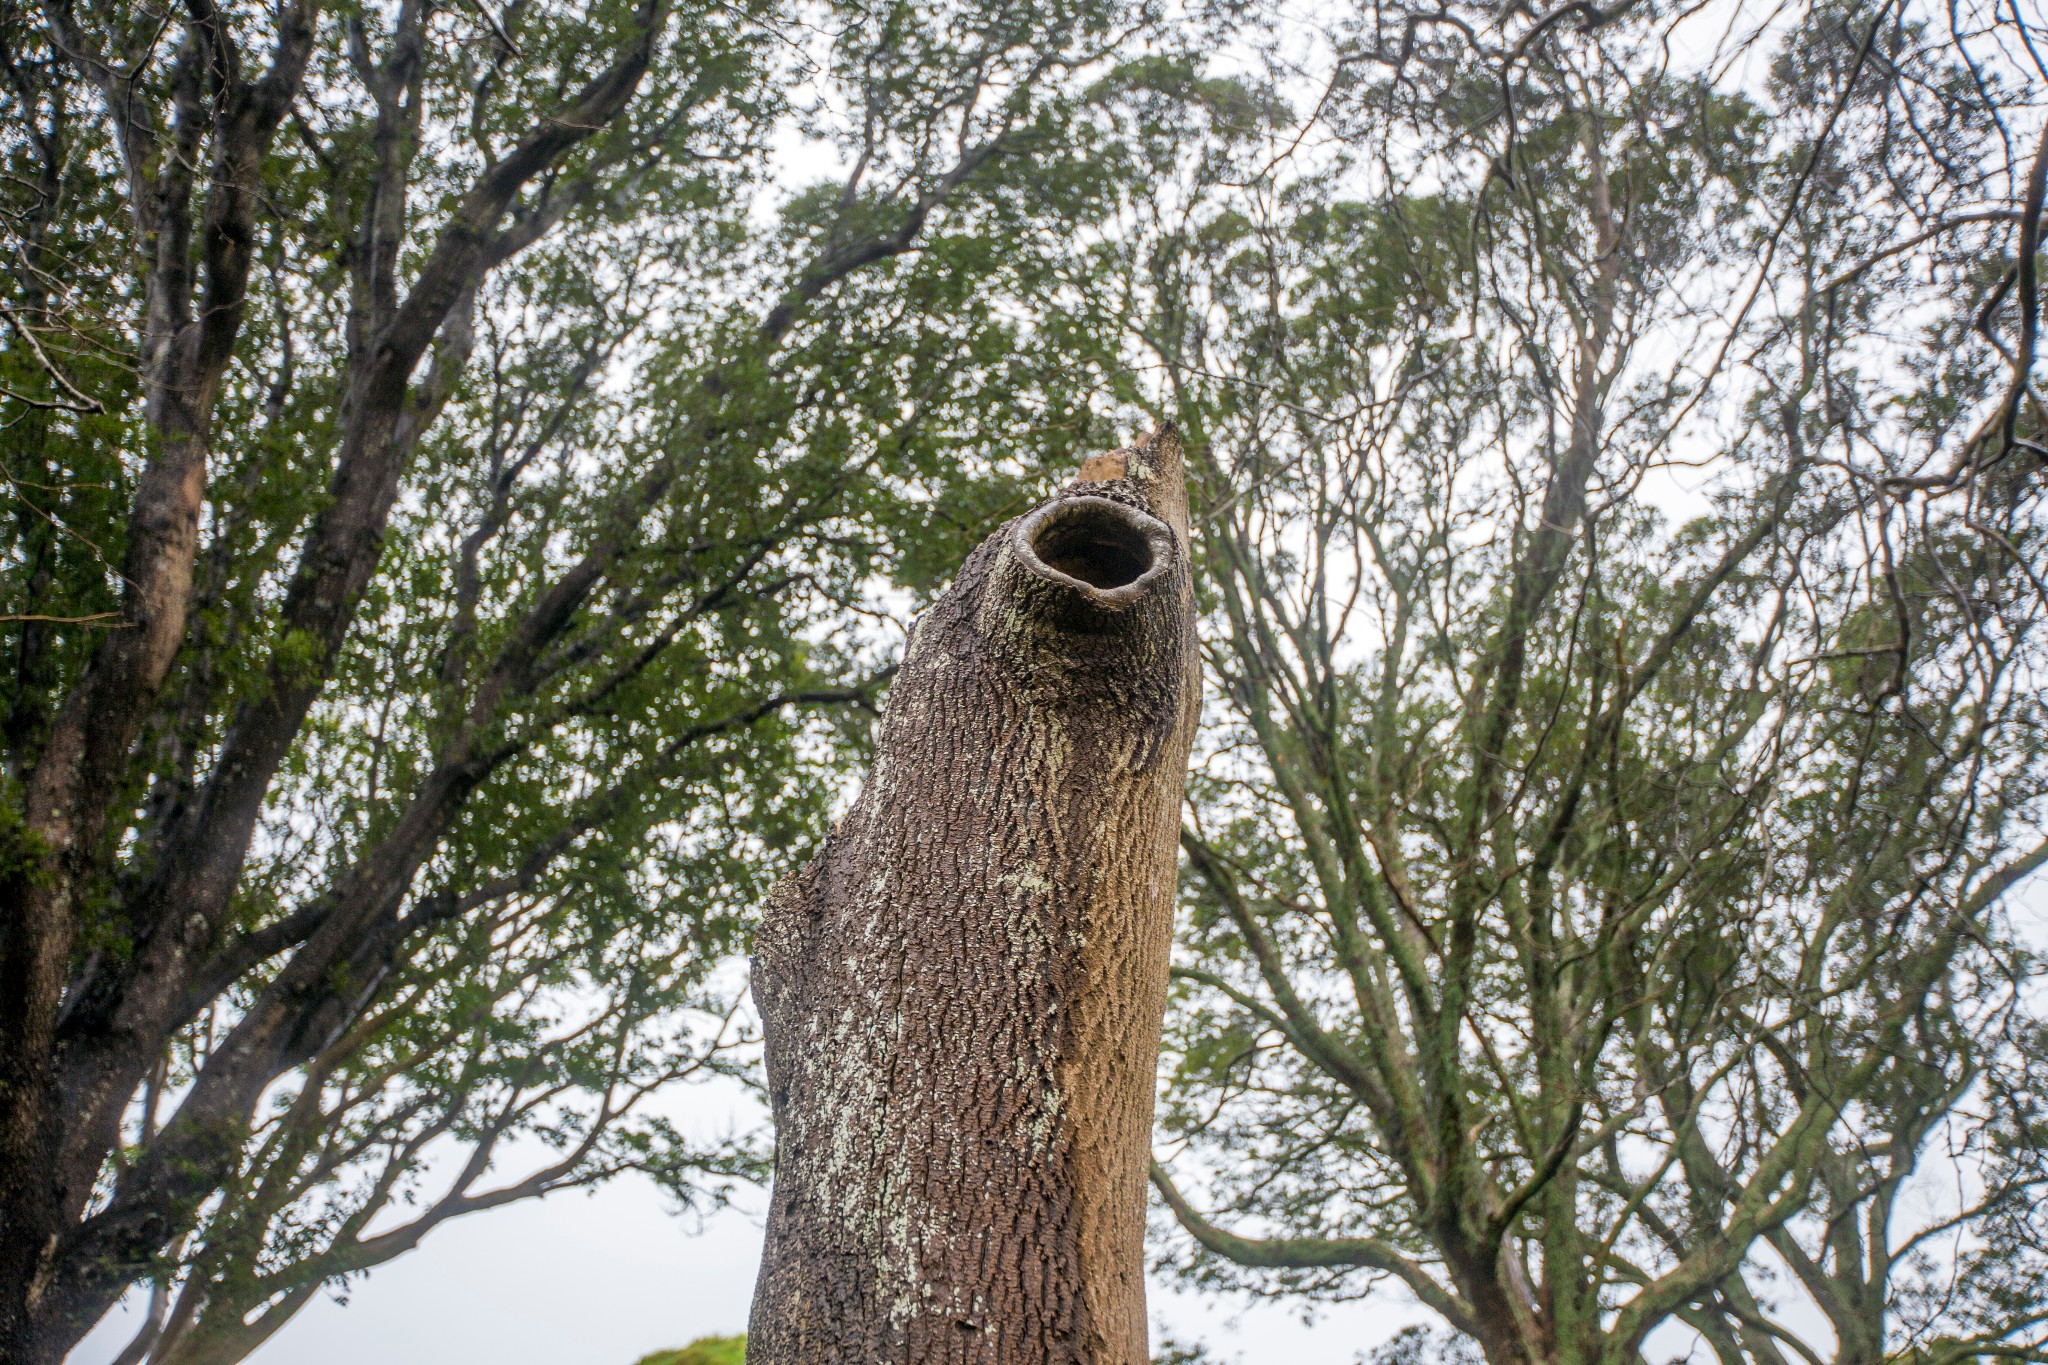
x,y
1170,1350
1593,914
680,462
702,1351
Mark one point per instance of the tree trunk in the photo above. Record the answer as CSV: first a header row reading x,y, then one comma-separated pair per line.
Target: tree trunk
x,y
963,992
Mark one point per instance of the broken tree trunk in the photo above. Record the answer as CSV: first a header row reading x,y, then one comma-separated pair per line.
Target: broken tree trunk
x,y
962,993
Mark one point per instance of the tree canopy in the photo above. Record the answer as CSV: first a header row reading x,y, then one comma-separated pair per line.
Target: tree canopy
x,y
469,475
1625,548
449,476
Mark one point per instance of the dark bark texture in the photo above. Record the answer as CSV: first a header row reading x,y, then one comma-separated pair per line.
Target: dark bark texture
x,y
963,992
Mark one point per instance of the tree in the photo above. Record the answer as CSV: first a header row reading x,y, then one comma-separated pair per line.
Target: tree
x,y
438,490
961,994
1595,913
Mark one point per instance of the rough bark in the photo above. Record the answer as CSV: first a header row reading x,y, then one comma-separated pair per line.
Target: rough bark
x,y
962,993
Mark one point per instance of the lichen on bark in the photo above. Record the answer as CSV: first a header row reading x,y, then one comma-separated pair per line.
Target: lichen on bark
x,y
962,993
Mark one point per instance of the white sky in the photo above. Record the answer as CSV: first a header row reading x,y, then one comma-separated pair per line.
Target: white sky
x,y
604,1278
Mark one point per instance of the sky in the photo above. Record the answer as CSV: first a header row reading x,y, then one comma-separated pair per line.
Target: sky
x,y
605,1278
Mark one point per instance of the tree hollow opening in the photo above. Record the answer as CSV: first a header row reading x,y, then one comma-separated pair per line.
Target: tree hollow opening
x,y
1096,541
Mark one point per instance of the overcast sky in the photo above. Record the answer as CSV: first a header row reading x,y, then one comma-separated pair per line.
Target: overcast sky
x,y
604,1279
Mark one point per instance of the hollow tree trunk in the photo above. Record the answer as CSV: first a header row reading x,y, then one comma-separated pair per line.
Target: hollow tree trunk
x,y
962,993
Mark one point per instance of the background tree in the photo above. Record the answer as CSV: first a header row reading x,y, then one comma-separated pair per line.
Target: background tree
x,y
1624,547
443,484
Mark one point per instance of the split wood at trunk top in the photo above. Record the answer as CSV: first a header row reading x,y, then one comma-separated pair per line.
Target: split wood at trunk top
x,y
962,993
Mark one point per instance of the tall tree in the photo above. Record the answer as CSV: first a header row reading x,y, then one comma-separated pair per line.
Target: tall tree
x,y
438,488
1596,878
